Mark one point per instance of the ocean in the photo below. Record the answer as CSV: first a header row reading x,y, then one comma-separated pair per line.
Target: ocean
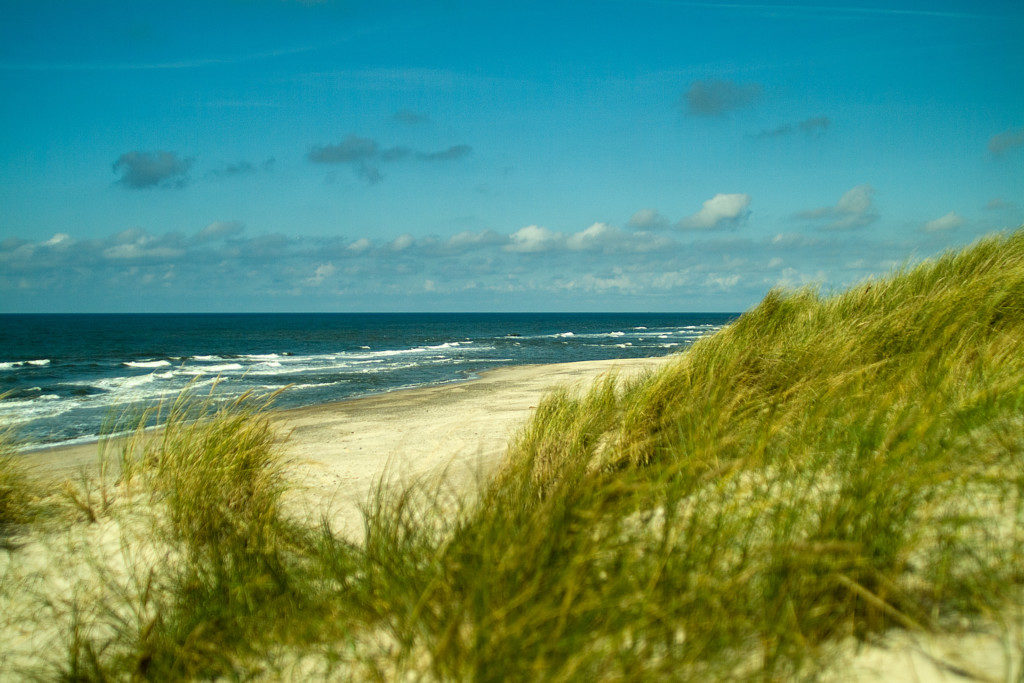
x,y
67,378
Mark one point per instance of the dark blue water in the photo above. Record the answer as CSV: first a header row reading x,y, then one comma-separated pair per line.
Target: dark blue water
x,y
63,377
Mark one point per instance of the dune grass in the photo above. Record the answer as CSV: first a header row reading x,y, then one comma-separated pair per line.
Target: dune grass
x,y
221,576
827,468
21,497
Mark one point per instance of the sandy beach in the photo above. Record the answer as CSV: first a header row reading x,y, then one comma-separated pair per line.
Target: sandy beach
x,y
340,450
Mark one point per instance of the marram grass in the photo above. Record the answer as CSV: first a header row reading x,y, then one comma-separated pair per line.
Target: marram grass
x,y
21,497
825,468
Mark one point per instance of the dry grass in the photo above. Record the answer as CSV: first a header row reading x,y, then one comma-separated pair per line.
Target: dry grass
x,y
22,499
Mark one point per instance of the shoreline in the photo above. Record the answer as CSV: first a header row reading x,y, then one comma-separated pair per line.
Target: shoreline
x,y
75,448
342,448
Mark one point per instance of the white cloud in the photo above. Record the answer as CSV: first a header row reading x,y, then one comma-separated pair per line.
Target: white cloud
x,y
139,251
856,200
671,279
950,221
595,283
128,236
135,244
794,240
218,230
360,245
600,257
791,278
597,236
61,239
402,242
468,240
721,211
853,210
722,282
322,272
533,239
648,219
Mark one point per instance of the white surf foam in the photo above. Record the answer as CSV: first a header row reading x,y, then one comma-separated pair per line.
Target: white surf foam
x,y
211,369
147,363
15,364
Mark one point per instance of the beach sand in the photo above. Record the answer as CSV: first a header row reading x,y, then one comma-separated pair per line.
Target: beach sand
x,y
339,451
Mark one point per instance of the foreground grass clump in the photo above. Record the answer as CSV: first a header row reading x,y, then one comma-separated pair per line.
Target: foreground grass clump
x,y
215,576
826,467
20,496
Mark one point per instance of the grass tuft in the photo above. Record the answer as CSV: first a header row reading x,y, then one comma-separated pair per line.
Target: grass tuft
x,y
21,497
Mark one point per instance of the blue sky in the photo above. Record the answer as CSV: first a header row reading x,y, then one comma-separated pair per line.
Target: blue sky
x,y
658,155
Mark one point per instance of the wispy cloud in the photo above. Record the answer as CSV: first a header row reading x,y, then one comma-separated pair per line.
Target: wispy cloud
x,y
598,238
409,117
451,154
140,170
950,221
853,210
717,98
999,204
219,230
322,272
812,126
366,155
468,240
1002,143
241,168
648,219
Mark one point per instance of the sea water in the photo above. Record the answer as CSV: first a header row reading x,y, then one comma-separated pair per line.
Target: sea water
x,y
68,378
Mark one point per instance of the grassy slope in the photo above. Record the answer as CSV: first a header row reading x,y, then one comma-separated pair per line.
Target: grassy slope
x,y
823,468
